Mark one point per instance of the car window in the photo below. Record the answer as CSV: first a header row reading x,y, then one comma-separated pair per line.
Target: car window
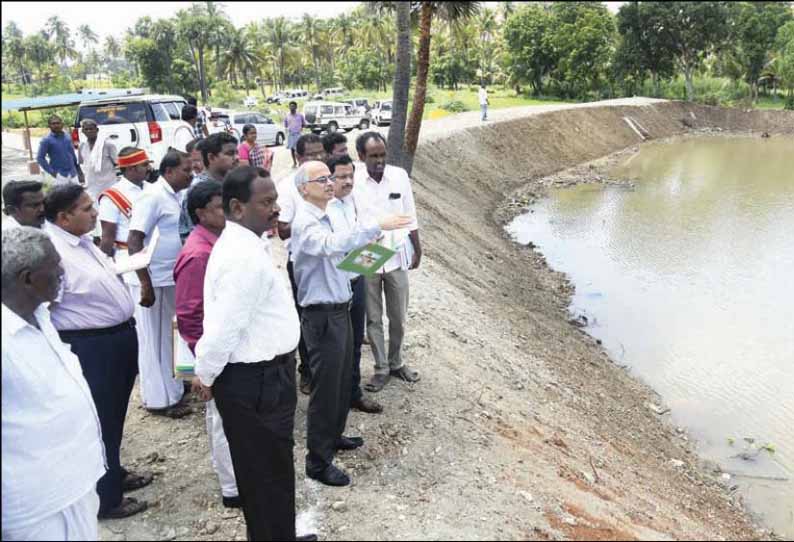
x,y
173,111
327,109
160,112
341,110
113,113
386,107
260,119
242,119
310,110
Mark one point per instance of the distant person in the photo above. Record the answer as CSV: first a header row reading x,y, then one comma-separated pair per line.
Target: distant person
x,y
245,358
294,122
483,96
23,203
193,148
93,314
52,447
252,153
201,120
56,154
190,115
387,189
335,145
98,156
157,209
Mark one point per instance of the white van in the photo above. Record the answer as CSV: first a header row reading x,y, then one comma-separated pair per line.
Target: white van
x,y
333,116
152,122
335,91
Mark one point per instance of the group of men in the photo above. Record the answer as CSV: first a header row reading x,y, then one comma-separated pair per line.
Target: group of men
x,y
69,296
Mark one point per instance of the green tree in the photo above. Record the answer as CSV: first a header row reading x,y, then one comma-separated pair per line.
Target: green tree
x,y
40,53
63,45
753,31
240,57
396,154
194,26
87,35
14,52
784,53
528,35
310,28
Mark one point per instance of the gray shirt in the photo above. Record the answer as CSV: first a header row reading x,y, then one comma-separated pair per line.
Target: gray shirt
x,y
316,250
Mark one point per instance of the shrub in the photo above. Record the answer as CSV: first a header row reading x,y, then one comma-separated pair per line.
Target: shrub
x,y
429,99
454,106
789,102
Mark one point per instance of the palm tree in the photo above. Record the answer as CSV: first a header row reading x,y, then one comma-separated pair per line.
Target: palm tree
x,y
87,35
14,50
239,57
112,47
310,28
487,27
58,31
402,81
279,37
39,52
450,11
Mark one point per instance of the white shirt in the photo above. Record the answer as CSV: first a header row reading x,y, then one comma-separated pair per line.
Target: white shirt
x,y
51,437
10,222
376,198
249,314
109,212
483,95
344,214
288,200
93,296
159,207
97,181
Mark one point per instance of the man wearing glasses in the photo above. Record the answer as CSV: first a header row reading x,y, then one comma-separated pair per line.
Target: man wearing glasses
x,y
324,295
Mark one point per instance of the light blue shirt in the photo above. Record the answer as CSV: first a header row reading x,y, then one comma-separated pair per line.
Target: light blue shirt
x,y
317,248
160,207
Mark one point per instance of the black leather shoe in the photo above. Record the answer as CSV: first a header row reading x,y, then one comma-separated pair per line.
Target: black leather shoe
x,y
232,502
306,538
305,385
349,443
331,476
367,405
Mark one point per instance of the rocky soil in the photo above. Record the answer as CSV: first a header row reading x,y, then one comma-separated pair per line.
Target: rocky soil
x,y
521,427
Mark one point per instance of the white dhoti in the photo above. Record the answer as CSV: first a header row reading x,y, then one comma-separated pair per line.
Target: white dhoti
x,y
75,522
159,388
219,451
64,179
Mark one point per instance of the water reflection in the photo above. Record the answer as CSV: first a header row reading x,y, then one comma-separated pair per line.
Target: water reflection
x,y
688,278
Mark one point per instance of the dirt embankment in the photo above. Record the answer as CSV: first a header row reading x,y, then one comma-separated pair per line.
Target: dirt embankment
x,y
521,427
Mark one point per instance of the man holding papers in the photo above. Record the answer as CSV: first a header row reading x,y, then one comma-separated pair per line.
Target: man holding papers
x,y
93,314
387,189
324,294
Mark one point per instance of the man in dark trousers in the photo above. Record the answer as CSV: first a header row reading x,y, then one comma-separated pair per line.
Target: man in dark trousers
x,y
245,357
324,294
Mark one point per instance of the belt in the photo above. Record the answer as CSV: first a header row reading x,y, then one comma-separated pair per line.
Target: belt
x,y
328,307
120,244
73,333
278,360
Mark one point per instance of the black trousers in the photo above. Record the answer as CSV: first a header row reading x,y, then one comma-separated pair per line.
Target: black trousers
x,y
303,367
329,342
109,359
257,404
358,318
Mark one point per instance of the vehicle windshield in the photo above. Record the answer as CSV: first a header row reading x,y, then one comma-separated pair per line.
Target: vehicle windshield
x,y
386,107
113,113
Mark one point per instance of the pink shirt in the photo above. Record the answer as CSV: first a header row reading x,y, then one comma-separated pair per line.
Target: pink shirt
x,y
189,271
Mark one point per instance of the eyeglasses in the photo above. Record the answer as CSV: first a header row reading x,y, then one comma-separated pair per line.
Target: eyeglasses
x,y
325,179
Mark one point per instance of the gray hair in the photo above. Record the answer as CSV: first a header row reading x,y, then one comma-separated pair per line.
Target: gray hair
x,y
301,176
89,122
23,248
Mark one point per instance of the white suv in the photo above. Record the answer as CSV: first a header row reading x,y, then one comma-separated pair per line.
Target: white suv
x,y
152,122
333,116
381,112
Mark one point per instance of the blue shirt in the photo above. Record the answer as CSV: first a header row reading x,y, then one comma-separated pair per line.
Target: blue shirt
x,y
59,149
316,250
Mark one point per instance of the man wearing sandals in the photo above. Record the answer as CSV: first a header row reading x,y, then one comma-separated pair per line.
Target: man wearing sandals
x,y
93,315
385,190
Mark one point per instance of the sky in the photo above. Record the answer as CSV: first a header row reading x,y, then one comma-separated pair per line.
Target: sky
x,y
114,18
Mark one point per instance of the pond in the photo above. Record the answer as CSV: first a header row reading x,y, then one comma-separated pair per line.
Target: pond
x,y
688,278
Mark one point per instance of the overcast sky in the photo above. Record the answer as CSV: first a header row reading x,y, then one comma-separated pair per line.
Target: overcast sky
x,y
107,18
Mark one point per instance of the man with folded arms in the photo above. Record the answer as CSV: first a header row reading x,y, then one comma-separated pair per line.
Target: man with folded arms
x,y
324,295
158,208
205,205
93,314
52,444
245,357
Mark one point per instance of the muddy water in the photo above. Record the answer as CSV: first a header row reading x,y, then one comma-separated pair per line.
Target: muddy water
x,y
688,278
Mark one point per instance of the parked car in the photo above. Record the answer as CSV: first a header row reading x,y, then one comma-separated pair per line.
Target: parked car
x,y
333,92
267,131
333,116
220,121
293,94
381,112
317,97
362,104
276,98
250,101
152,122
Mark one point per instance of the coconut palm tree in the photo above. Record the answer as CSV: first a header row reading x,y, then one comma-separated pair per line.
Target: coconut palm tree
x,y
279,38
239,57
449,11
63,46
310,29
402,81
87,35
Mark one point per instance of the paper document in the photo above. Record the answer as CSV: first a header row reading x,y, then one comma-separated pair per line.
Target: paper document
x,y
366,260
139,260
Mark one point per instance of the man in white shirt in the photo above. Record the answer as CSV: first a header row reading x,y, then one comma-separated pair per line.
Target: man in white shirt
x,y
98,156
52,442
159,207
93,314
23,203
483,96
385,190
308,147
245,357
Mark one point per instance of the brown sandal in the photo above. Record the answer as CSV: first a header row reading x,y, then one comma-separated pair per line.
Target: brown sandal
x,y
376,383
133,481
128,507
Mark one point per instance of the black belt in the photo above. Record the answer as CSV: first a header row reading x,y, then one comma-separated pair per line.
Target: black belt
x,y
329,307
278,360
73,333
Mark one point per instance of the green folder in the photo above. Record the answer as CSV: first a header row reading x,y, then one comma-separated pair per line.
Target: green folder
x,y
366,260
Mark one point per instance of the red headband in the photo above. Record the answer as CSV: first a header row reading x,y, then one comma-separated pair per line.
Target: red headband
x,y
138,157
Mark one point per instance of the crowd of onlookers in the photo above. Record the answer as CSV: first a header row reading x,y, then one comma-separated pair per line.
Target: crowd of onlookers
x,y
167,273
